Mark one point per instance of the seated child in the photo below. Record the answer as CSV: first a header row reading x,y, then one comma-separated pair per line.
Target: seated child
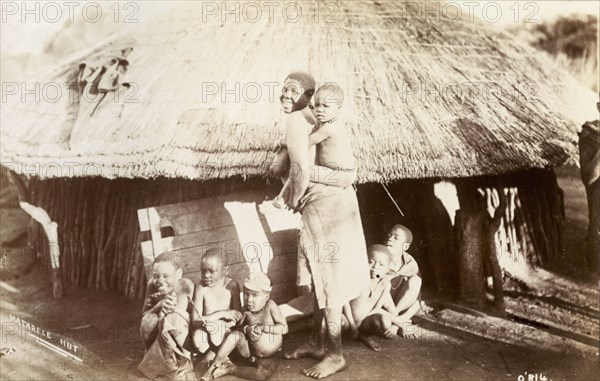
x,y
406,279
165,320
216,302
259,334
373,312
334,156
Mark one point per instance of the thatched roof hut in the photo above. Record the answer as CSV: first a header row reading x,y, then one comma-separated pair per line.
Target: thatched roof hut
x,y
426,97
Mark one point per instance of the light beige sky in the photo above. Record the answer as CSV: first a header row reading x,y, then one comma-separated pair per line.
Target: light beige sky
x,y
29,36
20,37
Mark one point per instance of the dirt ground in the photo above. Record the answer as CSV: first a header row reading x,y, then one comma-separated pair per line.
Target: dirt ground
x,y
551,329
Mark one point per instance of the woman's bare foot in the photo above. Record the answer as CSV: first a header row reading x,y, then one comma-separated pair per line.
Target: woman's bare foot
x,y
328,366
308,349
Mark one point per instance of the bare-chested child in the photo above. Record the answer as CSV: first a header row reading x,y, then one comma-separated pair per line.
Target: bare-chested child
x,y
373,312
217,303
405,279
259,334
334,161
165,313
334,147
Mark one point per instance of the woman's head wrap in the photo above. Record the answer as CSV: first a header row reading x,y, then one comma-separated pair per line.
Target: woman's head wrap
x,y
304,79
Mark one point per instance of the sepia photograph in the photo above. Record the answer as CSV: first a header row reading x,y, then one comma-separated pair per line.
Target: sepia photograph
x,y
291,190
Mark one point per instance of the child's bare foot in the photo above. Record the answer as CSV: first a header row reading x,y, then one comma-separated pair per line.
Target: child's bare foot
x,y
328,366
208,373
204,361
391,332
308,349
224,369
218,370
370,343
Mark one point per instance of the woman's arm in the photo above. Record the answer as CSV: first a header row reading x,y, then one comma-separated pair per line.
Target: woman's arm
x,y
297,143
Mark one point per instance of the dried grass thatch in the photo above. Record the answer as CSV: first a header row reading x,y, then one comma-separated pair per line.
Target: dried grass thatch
x,y
406,77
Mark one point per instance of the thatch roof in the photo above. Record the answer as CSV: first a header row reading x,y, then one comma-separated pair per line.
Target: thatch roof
x,y
388,60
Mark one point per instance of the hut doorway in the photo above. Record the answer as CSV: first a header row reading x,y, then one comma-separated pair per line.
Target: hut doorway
x,y
502,224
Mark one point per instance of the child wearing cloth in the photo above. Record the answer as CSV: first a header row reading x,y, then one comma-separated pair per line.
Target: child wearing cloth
x,y
165,321
406,279
216,303
258,337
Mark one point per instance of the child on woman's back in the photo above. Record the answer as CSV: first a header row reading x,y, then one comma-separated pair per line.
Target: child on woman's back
x,y
334,162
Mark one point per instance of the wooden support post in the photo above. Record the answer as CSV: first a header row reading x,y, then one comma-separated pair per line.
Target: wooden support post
x,y
478,255
50,228
492,253
470,238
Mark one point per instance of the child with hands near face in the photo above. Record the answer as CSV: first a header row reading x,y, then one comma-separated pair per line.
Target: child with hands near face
x,y
373,312
167,292
165,320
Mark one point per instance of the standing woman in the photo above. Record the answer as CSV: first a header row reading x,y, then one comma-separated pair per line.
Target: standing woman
x,y
332,243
